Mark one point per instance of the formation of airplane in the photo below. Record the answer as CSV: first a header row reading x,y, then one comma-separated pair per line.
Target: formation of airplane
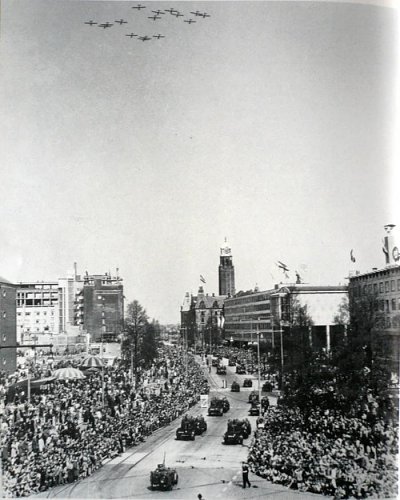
x,y
145,38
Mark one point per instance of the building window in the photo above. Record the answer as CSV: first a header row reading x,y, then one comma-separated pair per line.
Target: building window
x,y
388,323
387,305
386,286
393,304
375,288
398,285
5,293
4,314
381,287
4,338
393,285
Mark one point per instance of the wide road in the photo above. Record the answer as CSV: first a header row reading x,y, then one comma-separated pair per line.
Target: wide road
x,y
205,465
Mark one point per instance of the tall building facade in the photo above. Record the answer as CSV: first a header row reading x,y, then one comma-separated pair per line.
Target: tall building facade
x,y
99,307
267,313
8,326
226,272
382,287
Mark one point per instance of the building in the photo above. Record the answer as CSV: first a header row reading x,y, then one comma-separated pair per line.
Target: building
x,y
267,313
381,288
37,311
8,326
226,272
99,307
202,317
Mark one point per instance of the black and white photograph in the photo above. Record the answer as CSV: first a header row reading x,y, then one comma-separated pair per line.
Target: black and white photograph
x,y
199,249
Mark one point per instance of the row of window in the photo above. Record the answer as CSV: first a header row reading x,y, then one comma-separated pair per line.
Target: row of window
x,y
28,313
247,300
382,287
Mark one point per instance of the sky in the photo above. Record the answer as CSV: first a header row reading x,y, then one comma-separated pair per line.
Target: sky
x,y
269,123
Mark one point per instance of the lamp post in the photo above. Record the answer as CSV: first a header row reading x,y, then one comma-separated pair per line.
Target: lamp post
x,y
259,366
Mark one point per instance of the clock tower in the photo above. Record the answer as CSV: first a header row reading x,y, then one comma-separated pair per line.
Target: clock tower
x,y
226,271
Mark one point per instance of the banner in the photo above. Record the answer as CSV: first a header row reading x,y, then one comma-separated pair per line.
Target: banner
x,y
204,401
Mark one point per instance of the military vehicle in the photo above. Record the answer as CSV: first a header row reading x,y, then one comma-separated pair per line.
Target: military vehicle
x,y
247,382
267,387
221,370
237,431
187,430
235,387
264,403
240,369
163,478
214,362
253,397
225,405
200,425
218,406
231,362
254,409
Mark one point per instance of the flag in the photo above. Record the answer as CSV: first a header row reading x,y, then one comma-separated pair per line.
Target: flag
x,y
352,258
202,279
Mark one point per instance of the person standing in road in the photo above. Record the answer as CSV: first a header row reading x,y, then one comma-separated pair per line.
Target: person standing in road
x,y
245,474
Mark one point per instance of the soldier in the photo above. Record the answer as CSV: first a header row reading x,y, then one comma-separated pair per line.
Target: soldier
x,y
245,475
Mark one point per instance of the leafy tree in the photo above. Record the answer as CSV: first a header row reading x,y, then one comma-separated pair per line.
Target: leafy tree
x,y
136,323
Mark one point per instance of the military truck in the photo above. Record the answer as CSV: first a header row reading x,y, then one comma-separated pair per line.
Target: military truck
x,y
200,425
187,430
235,387
237,431
225,404
240,369
163,478
221,370
247,382
254,409
253,397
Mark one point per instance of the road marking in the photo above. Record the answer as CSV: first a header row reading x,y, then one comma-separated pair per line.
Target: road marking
x,y
135,458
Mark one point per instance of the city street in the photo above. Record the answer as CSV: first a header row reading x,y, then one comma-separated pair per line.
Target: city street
x,y
205,466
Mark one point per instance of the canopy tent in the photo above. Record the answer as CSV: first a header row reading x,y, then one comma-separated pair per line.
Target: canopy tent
x,y
92,362
68,373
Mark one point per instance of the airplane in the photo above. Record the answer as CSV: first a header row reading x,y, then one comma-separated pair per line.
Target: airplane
x,y
282,266
158,36
105,25
90,23
177,14
144,38
197,13
138,7
131,35
154,17
171,11
158,12
190,21
204,15
121,22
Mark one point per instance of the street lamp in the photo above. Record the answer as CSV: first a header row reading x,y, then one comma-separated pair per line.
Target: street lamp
x,y
259,366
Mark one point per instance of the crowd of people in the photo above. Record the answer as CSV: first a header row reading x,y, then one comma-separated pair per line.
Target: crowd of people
x,y
353,456
66,432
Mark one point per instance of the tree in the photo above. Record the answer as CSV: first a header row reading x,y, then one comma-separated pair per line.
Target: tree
x,y
136,322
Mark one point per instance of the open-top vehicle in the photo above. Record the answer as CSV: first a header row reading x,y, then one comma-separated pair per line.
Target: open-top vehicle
x,y
163,478
247,382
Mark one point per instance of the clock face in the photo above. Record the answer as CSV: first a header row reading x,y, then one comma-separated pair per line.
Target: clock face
x,y
226,251
396,254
